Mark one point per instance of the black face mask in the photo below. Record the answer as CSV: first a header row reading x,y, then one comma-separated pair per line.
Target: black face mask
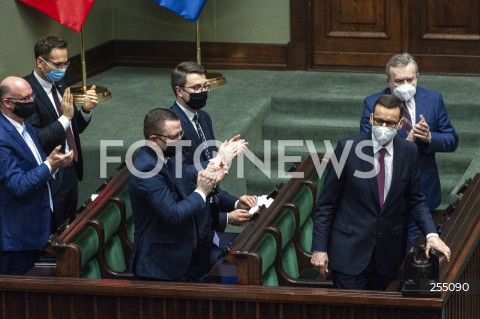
x,y
170,151
197,100
24,110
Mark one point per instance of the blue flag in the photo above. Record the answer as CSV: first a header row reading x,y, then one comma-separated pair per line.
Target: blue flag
x,y
189,9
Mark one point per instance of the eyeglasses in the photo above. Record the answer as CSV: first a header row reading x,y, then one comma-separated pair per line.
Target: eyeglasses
x,y
57,65
198,88
26,99
381,122
409,80
179,136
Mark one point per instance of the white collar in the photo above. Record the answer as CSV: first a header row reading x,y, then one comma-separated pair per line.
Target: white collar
x,y
47,86
187,112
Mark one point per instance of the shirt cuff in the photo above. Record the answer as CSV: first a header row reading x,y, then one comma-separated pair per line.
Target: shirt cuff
x,y
64,121
431,235
49,166
201,193
86,116
236,204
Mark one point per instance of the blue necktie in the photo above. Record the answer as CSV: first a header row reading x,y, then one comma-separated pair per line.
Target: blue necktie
x,y
37,156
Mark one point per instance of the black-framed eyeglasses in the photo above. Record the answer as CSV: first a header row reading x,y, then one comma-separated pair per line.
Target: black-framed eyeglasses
x,y
197,88
179,136
26,99
381,122
57,65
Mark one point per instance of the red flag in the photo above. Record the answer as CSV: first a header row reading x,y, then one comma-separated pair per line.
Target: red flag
x,y
70,13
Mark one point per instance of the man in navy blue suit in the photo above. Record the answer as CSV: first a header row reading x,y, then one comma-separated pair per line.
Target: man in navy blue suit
x,y
361,221
25,197
190,85
427,124
164,203
57,121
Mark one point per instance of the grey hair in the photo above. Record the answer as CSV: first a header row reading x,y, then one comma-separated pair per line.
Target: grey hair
x,y
400,60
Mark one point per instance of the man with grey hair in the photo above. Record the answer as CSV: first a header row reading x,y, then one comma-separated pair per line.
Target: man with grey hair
x,y
426,123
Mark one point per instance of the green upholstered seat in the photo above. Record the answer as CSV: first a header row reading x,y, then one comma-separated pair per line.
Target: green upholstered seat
x,y
267,249
304,200
88,244
128,214
286,224
113,253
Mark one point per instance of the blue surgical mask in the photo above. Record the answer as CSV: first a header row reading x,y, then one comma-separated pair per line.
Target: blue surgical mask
x,y
55,74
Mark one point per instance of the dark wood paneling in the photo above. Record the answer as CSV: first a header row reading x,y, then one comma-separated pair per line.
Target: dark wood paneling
x,y
214,55
87,298
168,54
443,35
355,33
97,60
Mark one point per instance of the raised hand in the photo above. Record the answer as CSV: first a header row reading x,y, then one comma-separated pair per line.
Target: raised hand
x,y
57,159
91,99
231,149
421,130
67,104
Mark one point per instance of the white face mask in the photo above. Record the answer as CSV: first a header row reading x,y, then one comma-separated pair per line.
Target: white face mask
x,y
383,134
404,92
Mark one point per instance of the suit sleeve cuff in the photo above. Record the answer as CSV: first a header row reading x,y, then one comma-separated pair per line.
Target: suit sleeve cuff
x,y
204,197
64,121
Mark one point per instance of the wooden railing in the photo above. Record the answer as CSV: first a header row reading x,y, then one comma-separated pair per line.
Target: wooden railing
x,y
57,297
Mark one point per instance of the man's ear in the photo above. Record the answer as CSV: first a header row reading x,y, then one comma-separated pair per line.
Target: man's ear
x,y
178,90
371,119
400,124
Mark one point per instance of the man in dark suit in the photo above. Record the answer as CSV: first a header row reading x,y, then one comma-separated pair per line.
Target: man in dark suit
x,y
25,199
190,85
427,124
361,220
58,122
164,205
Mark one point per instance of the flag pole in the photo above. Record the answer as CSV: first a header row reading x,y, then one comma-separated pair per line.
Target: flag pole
x,y
79,92
214,78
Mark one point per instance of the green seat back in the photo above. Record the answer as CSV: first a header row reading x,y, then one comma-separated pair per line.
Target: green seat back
x,y
268,251
128,214
286,225
113,251
306,235
88,243
304,201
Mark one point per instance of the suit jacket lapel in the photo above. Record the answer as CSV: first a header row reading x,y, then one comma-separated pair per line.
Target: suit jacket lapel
x,y
42,97
18,138
367,166
187,126
420,105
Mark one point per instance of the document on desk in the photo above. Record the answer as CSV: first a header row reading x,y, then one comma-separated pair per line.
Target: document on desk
x,y
262,200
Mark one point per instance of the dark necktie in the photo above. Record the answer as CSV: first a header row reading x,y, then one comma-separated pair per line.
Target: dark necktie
x,y
202,137
68,132
407,125
381,175
214,200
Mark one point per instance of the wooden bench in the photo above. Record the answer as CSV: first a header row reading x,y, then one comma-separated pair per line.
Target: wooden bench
x,y
297,195
96,243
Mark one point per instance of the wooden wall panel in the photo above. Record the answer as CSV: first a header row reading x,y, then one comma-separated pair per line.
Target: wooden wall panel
x,y
354,32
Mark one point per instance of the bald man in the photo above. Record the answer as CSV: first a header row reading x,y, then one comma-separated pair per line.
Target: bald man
x,y
25,195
